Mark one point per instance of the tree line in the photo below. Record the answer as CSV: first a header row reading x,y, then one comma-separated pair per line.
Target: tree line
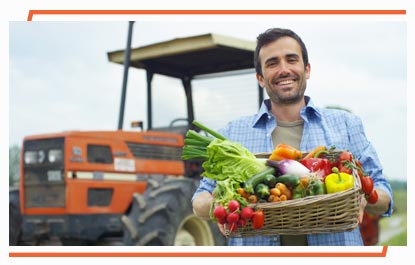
x,y
14,160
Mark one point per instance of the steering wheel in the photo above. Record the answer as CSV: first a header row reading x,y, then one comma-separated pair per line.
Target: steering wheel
x,y
178,120
188,124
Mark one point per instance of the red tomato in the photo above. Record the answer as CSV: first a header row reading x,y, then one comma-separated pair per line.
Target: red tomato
x,y
372,198
344,169
345,156
258,219
367,184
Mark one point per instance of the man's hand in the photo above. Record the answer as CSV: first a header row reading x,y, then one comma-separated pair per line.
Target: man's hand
x,y
381,206
201,205
362,206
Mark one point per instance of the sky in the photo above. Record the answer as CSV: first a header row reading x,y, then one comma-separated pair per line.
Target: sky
x,y
60,78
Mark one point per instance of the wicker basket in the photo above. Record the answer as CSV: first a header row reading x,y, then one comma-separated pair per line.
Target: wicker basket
x,y
328,213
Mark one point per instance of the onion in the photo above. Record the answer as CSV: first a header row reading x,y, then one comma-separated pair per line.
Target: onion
x,y
289,166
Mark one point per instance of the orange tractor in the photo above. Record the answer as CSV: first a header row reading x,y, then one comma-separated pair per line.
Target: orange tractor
x,y
124,187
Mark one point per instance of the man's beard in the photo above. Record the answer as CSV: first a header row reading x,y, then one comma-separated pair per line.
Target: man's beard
x,y
281,99
287,100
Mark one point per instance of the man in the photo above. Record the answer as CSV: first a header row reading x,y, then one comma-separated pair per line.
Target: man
x,y
288,116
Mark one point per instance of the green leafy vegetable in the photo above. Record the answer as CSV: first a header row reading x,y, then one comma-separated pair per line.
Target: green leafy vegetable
x,y
228,163
223,158
228,159
225,191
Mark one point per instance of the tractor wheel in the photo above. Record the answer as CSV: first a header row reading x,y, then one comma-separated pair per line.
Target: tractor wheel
x,y
15,218
163,216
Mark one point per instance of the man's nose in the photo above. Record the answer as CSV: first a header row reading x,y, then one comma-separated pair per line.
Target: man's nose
x,y
283,69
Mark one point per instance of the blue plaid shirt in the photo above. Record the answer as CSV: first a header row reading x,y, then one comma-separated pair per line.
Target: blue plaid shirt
x,y
321,127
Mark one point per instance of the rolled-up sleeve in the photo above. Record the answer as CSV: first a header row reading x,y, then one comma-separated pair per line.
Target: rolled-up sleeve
x,y
369,159
205,185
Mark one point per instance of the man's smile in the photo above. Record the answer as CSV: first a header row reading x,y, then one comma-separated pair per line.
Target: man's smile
x,y
285,82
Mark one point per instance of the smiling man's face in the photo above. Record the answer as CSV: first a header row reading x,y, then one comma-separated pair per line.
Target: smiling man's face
x,y
283,73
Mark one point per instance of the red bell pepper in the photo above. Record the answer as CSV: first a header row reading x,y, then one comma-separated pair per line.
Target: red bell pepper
x,y
321,166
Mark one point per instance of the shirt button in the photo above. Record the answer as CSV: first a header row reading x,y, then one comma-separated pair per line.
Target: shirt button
x,y
269,117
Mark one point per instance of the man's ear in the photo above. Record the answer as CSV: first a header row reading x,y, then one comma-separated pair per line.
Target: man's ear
x,y
307,71
260,79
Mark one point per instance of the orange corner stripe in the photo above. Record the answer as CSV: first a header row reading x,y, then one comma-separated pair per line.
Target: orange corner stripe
x,y
214,12
199,254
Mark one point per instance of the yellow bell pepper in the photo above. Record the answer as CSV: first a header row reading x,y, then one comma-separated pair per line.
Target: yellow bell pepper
x,y
338,181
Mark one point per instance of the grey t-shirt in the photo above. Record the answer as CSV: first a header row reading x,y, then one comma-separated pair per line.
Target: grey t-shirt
x,y
290,133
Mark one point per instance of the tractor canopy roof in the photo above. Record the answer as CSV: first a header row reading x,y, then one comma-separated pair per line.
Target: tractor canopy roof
x,y
191,56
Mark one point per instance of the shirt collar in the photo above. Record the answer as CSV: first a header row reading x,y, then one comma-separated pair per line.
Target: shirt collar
x,y
263,113
306,113
310,110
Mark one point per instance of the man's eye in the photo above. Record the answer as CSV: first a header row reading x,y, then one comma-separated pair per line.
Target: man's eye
x,y
292,60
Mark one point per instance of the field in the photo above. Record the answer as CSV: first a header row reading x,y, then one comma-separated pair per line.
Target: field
x,y
393,230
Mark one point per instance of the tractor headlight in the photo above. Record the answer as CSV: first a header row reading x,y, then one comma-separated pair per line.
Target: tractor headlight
x,y
34,157
30,157
55,155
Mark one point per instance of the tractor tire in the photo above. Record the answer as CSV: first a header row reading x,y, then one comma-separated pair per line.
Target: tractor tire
x,y
15,218
163,216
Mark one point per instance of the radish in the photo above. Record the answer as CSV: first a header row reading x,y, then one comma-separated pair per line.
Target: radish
x,y
221,220
231,226
242,222
246,213
232,217
233,205
219,212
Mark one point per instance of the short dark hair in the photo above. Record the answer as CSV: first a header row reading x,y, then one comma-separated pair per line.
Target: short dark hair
x,y
274,34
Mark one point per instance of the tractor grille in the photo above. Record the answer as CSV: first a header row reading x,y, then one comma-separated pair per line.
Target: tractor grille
x,y
39,195
156,152
44,184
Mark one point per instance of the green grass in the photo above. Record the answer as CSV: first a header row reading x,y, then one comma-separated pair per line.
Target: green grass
x,y
399,240
398,220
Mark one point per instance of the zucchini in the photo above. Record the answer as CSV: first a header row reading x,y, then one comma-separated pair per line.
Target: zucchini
x,y
289,180
258,178
270,180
